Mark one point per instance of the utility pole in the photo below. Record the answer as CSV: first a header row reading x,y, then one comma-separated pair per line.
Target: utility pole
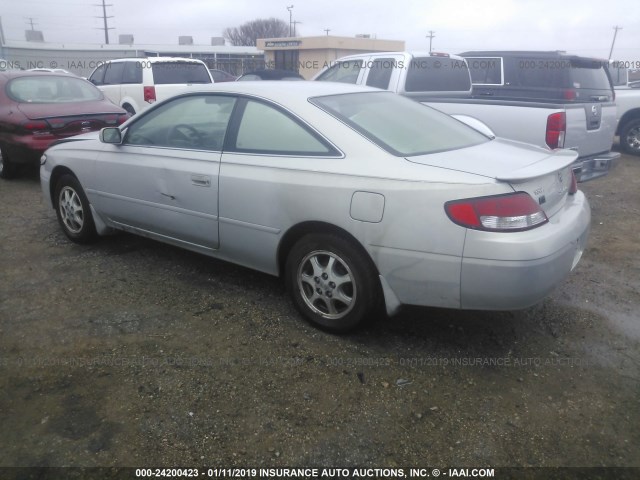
x,y
290,8
616,28
104,19
431,36
30,22
327,30
295,22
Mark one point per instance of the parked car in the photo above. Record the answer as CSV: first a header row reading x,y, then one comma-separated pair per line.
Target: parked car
x,y
340,189
50,70
627,107
221,76
418,75
38,108
136,83
556,112
271,74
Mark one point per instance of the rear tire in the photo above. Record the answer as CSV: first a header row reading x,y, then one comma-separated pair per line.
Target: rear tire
x,y
73,210
332,283
7,169
630,137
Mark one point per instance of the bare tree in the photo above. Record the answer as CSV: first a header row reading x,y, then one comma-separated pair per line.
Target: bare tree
x,y
247,33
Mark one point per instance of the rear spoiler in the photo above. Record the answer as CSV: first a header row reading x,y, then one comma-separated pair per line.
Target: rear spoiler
x,y
557,160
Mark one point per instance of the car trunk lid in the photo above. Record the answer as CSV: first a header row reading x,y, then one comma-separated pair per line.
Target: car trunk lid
x,y
545,175
71,118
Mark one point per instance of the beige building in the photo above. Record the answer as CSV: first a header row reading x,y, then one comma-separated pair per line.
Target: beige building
x,y
309,55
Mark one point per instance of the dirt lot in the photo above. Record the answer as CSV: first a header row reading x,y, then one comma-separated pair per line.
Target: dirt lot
x,y
133,353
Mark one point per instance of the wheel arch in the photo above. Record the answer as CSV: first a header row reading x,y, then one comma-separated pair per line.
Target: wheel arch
x,y
56,174
298,231
630,115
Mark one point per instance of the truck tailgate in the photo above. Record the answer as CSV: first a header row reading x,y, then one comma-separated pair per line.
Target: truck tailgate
x,y
590,128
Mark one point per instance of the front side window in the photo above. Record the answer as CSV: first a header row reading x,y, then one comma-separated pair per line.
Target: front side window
x,y
52,89
196,122
343,72
400,126
266,129
113,75
98,75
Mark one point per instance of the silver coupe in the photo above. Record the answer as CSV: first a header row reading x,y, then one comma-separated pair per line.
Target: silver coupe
x,y
359,198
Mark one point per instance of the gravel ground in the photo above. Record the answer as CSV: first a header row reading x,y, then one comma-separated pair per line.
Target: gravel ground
x,y
133,353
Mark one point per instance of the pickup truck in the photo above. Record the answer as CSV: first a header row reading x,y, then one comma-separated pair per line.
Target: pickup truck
x,y
627,107
575,118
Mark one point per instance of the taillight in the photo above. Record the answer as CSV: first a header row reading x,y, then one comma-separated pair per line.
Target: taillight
x,y
569,94
556,129
513,212
123,118
149,94
38,128
573,188
35,125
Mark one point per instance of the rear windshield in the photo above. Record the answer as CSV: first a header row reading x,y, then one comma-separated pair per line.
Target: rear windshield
x,y
438,74
52,89
179,72
563,73
400,126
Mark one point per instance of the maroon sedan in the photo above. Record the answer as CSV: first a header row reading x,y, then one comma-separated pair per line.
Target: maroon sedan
x,y
37,108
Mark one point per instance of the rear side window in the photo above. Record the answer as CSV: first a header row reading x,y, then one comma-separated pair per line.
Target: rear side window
x,y
265,129
132,72
166,73
437,74
485,70
343,72
380,71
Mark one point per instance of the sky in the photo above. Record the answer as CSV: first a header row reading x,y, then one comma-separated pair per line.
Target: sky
x,y
576,26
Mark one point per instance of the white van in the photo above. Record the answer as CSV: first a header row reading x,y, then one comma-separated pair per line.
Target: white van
x,y
136,83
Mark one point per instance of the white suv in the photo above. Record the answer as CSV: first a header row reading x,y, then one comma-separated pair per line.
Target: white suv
x,y
136,83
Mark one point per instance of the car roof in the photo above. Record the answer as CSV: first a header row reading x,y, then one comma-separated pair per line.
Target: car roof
x,y
527,53
411,53
34,73
154,59
285,91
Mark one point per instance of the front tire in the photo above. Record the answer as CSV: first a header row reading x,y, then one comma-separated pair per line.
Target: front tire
x,y
630,137
73,210
332,283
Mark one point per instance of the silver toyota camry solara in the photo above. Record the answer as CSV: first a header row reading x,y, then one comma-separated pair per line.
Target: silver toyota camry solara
x,y
359,198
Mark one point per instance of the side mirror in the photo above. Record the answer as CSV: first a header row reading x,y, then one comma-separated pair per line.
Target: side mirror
x,y
111,135
476,125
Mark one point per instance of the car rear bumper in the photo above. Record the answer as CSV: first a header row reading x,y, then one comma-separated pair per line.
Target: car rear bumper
x,y
595,166
497,271
528,267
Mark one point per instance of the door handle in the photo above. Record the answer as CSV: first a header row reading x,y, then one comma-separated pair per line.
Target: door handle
x,y
201,180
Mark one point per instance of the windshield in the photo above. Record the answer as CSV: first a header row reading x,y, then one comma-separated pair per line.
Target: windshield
x,y
179,72
399,125
52,89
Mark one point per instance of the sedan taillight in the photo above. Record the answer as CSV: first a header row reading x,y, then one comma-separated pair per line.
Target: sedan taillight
x,y
513,212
